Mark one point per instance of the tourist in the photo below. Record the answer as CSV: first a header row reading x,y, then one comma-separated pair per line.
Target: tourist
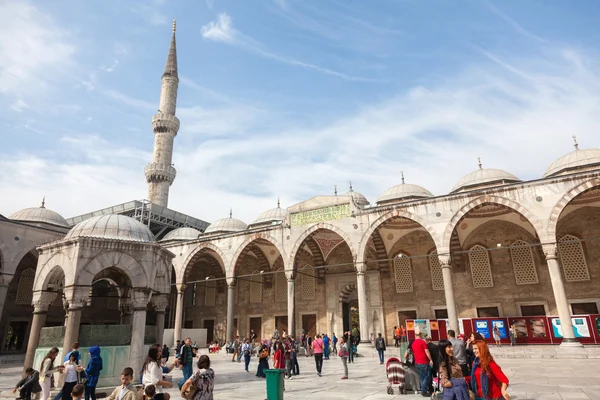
x,y
152,373
203,380
29,384
435,356
396,334
451,373
334,340
284,334
317,348
164,357
78,392
403,334
423,362
474,336
149,392
459,350
275,334
343,353
295,365
380,346
325,346
497,335
487,379
349,342
126,390
92,373
178,346
287,356
74,347
236,348
247,352
47,368
186,360
513,335
253,336
263,361
69,376
278,356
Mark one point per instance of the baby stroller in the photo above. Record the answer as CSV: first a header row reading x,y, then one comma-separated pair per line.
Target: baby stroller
x,y
395,375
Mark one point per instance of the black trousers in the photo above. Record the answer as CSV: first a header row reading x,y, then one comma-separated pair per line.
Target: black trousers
x,y
67,389
319,361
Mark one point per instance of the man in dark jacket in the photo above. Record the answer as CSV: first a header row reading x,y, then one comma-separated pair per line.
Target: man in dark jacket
x,y
186,360
435,357
380,346
92,373
28,385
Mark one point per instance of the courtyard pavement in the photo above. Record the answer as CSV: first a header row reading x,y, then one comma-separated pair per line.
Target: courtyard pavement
x,y
542,379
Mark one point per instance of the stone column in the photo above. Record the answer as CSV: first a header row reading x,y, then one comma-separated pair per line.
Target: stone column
x,y
179,313
77,298
160,302
291,307
41,302
449,294
564,315
139,301
363,308
230,310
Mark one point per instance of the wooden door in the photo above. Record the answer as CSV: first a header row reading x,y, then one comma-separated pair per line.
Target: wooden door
x,y
281,323
236,331
256,324
404,315
209,325
309,324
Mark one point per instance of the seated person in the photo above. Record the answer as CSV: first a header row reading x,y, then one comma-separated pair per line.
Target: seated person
x,y
29,384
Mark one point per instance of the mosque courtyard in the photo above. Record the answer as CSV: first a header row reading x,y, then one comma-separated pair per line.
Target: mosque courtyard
x,y
529,379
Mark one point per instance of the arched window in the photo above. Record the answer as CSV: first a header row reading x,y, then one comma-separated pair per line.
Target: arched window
x,y
523,264
280,286
256,287
481,270
572,259
25,289
308,282
403,274
210,292
437,279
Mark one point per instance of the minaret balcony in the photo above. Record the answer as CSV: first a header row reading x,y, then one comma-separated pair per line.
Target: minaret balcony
x,y
160,172
162,123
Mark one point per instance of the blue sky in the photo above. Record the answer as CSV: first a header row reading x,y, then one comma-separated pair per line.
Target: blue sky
x,y
285,98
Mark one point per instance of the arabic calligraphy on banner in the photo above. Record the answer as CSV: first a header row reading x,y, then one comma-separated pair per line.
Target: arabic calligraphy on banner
x,y
321,215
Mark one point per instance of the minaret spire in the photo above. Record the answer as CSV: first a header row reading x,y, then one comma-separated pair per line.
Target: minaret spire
x,y
160,173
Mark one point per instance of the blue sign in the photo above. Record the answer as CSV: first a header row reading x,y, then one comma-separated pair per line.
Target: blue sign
x,y
483,329
501,327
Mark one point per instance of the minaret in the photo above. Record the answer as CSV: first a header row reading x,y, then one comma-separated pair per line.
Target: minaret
x,y
160,173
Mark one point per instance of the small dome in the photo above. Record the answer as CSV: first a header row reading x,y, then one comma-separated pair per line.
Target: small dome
x,y
484,177
184,233
227,225
404,191
40,214
574,161
358,198
112,226
276,214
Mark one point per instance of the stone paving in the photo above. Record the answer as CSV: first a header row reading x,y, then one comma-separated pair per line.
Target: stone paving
x,y
530,379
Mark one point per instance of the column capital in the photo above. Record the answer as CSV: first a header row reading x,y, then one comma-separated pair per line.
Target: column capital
x,y
140,299
291,280
180,287
125,306
360,273
41,301
160,302
76,297
445,261
550,251
230,281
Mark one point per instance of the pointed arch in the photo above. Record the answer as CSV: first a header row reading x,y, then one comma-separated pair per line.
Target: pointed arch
x,y
248,242
561,204
113,259
213,250
503,201
57,263
345,292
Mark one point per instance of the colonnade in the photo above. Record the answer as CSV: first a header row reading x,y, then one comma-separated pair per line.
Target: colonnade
x,y
551,259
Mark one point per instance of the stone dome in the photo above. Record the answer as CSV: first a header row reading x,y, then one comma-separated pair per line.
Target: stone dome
x,y
358,198
184,233
574,161
227,225
484,177
403,191
113,226
276,214
40,214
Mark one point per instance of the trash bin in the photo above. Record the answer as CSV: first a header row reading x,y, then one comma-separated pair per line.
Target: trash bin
x,y
274,384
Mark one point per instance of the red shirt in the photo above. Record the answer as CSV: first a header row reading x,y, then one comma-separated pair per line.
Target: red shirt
x,y
496,380
418,347
278,360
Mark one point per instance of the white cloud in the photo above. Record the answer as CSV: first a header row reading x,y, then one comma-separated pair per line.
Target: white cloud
x,y
220,30
210,4
110,68
19,105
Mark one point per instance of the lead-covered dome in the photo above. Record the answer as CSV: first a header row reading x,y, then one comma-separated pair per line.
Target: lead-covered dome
x,y
185,233
403,192
40,215
274,215
227,225
113,226
577,160
484,178
359,198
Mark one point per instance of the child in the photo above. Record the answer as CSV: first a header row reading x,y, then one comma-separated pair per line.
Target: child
x,y
77,392
125,391
150,392
29,384
93,373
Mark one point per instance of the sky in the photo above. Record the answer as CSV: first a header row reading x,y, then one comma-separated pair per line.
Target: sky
x,y
288,98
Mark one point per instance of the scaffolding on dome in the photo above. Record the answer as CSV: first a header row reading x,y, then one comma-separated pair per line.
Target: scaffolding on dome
x,y
160,220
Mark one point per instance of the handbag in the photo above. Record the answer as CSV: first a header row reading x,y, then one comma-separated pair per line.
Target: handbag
x,y
189,393
471,395
81,378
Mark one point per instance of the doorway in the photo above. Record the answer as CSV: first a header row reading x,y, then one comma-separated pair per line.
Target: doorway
x,y
406,314
256,324
350,312
236,332
15,336
209,325
309,324
281,323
